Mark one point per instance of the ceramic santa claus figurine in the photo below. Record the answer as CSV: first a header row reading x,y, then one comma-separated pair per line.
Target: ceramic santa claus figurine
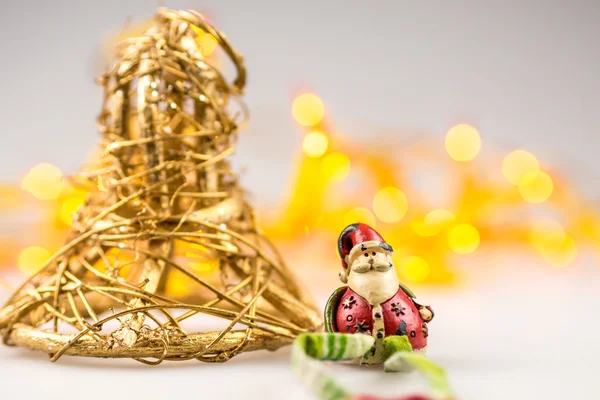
x,y
374,302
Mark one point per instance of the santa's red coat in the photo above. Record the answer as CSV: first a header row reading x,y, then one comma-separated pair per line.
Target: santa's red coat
x,y
354,314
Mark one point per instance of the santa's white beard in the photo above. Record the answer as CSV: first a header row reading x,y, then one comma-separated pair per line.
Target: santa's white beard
x,y
376,287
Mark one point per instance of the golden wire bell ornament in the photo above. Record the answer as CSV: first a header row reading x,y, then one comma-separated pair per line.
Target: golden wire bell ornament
x,y
165,260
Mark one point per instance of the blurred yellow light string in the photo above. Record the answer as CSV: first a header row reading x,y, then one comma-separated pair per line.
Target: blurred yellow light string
x,y
69,207
552,242
32,258
437,219
414,268
315,144
178,284
547,233
418,226
464,239
517,164
425,234
359,214
308,109
336,167
562,255
43,181
432,223
390,204
536,186
463,142
202,258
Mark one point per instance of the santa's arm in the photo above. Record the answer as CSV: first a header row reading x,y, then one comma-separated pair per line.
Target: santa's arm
x,y
425,310
331,307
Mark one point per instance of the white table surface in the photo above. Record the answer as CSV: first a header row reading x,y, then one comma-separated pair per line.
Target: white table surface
x,y
513,328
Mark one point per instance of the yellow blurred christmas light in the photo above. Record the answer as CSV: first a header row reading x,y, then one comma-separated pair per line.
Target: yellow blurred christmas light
x,y
463,239
359,214
204,265
432,223
178,284
550,239
68,208
436,220
463,142
32,259
561,256
336,167
43,181
115,258
536,186
414,268
201,259
308,109
418,227
436,234
547,233
390,204
205,40
517,164
315,144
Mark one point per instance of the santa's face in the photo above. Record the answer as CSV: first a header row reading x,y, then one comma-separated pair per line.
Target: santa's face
x,y
372,275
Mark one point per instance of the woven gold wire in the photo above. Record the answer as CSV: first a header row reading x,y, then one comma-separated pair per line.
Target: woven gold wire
x,y
165,247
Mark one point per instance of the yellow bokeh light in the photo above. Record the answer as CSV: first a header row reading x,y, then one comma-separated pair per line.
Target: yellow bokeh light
x,y
556,247
68,208
308,109
116,259
463,142
435,220
536,186
432,223
463,239
547,234
315,144
205,41
178,284
201,259
562,255
518,164
414,268
32,259
113,257
359,214
336,166
418,226
43,181
204,265
390,204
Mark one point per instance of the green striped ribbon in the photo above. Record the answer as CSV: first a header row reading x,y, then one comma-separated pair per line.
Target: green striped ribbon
x,y
309,349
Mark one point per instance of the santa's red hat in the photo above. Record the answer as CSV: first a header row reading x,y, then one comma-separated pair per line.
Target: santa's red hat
x,y
356,239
